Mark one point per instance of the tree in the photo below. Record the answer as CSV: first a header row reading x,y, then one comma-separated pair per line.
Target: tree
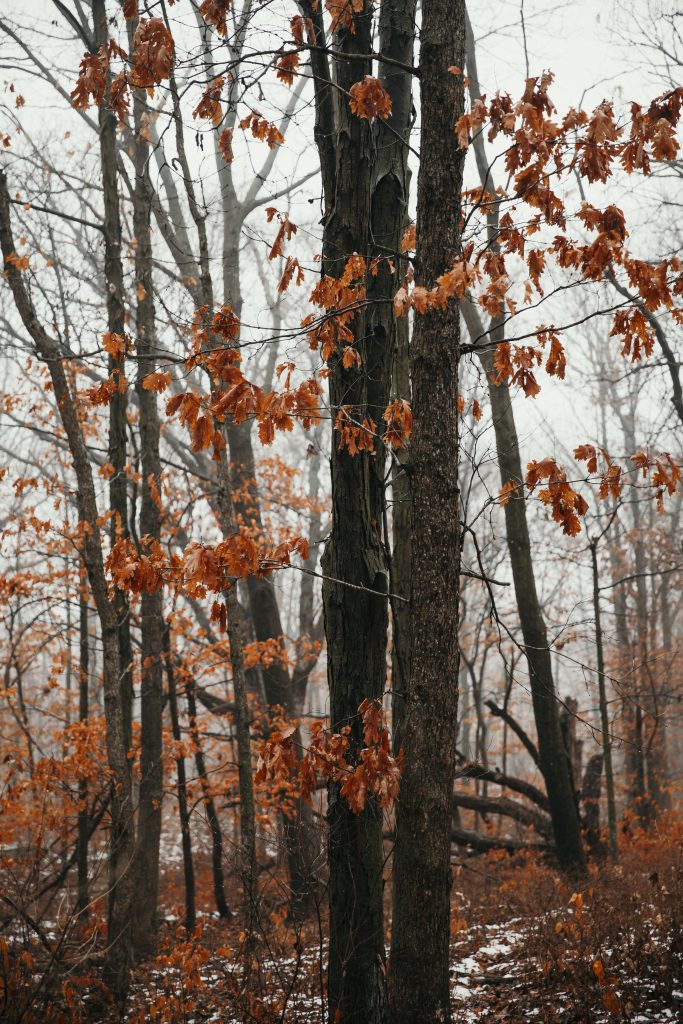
x,y
419,977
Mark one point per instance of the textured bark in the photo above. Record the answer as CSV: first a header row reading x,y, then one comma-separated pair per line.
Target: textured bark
x,y
116,322
325,104
664,696
572,744
590,807
122,840
401,519
241,719
355,620
646,715
632,749
419,975
151,604
389,218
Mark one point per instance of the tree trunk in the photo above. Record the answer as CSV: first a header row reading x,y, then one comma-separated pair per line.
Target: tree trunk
x,y
355,619
211,813
228,525
181,790
389,218
590,807
122,843
552,754
639,799
553,759
604,715
419,975
83,899
151,610
116,323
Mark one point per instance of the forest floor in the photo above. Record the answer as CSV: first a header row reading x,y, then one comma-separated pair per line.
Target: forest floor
x,y
527,948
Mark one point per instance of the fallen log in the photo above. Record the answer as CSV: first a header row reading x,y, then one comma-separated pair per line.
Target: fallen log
x,y
470,770
508,808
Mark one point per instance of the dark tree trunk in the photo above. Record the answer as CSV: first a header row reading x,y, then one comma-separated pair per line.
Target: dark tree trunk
x,y
590,806
552,755
355,619
116,323
151,605
389,219
419,975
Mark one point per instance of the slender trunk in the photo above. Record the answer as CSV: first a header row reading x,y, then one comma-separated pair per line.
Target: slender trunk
x,y
151,604
604,715
263,604
83,899
419,975
248,865
211,813
122,841
553,760
553,757
181,791
228,525
640,801
663,696
632,748
648,782
116,323
590,806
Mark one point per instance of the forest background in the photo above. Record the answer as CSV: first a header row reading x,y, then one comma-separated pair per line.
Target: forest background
x,y
256,715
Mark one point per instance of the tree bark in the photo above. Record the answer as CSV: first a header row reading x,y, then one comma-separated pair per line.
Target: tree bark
x,y
552,754
590,807
116,323
419,975
151,604
390,191
355,619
